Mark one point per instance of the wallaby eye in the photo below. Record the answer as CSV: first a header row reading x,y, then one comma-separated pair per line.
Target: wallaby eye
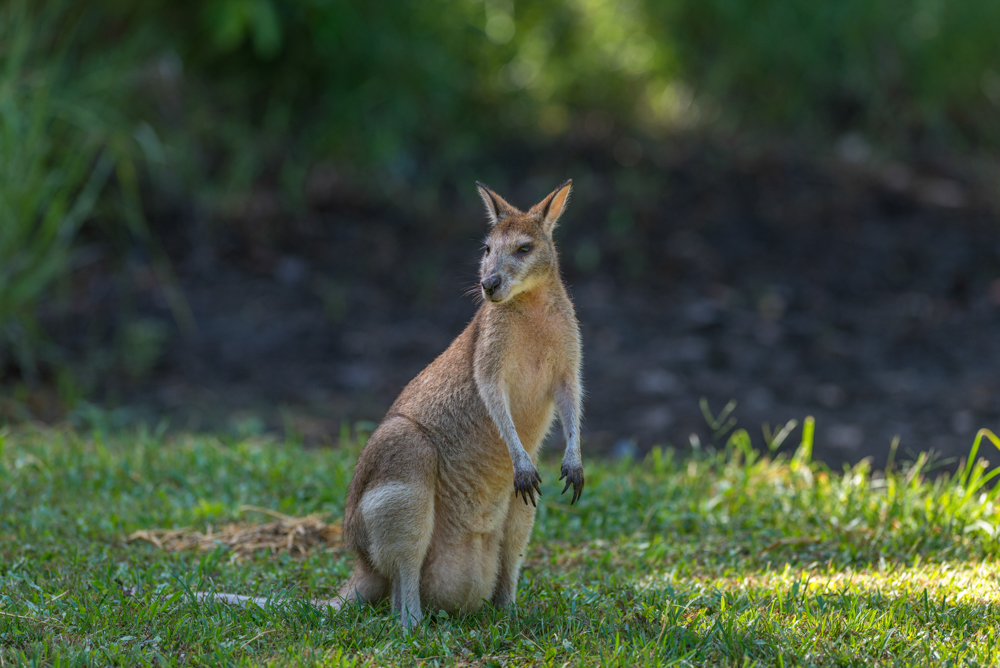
x,y
487,250
524,249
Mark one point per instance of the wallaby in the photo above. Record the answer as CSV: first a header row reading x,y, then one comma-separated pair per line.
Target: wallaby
x,y
430,511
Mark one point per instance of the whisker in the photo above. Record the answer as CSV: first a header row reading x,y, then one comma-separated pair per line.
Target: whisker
x,y
474,291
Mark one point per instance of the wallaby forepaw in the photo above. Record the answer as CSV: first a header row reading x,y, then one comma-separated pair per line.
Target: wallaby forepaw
x,y
527,482
573,476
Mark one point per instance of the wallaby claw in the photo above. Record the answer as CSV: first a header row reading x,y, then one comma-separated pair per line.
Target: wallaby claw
x,y
527,483
574,476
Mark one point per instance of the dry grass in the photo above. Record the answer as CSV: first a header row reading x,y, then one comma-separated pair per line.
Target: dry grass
x,y
294,535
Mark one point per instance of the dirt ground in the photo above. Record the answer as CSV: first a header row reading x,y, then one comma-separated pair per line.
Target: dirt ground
x,y
864,293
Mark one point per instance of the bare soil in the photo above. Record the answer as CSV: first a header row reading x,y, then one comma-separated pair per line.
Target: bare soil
x,y
865,294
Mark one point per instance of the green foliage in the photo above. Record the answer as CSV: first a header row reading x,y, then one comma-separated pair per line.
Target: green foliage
x,y
719,558
900,70
400,86
230,22
391,82
51,173
427,85
69,155
229,92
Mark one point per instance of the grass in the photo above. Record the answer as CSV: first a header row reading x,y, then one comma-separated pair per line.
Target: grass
x,y
713,558
51,173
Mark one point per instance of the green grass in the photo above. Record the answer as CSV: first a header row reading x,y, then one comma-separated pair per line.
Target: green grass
x,y
719,558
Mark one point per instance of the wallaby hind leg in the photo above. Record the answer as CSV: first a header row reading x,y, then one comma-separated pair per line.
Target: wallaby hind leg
x,y
399,520
364,585
397,516
516,531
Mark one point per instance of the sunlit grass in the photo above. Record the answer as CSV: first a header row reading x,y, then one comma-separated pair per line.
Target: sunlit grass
x,y
718,558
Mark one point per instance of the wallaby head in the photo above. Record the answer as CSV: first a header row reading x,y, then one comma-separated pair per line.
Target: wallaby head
x,y
519,253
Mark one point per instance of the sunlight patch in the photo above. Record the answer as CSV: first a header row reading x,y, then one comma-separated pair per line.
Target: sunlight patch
x,y
965,582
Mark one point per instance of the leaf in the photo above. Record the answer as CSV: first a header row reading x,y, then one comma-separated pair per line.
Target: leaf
x,y
227,22
266,30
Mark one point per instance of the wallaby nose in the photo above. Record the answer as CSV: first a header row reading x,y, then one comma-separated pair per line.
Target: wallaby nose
x,y
492,283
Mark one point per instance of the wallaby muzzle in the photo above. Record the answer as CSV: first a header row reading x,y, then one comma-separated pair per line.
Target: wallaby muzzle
x,y
491,284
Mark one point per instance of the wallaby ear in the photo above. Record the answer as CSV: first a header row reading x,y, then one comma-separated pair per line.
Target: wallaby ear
x,y
496,207
553,206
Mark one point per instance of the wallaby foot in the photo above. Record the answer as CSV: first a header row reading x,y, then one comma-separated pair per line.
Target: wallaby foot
x,y
364,586
505,591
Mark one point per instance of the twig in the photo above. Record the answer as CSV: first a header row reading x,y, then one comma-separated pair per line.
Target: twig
x,y
41,620
255,637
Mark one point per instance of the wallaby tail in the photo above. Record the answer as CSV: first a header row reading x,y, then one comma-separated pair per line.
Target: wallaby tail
x,y
363,585
262,601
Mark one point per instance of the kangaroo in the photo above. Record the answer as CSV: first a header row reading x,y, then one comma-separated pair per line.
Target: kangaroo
x,y
430,512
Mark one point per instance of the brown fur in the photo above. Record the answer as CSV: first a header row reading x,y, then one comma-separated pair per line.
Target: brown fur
x,y
433,510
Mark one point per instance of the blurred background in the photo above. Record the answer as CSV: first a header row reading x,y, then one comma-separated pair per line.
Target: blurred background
x,y
260,215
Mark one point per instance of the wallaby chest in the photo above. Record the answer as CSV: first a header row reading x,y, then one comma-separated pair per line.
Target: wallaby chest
x,y
539,351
